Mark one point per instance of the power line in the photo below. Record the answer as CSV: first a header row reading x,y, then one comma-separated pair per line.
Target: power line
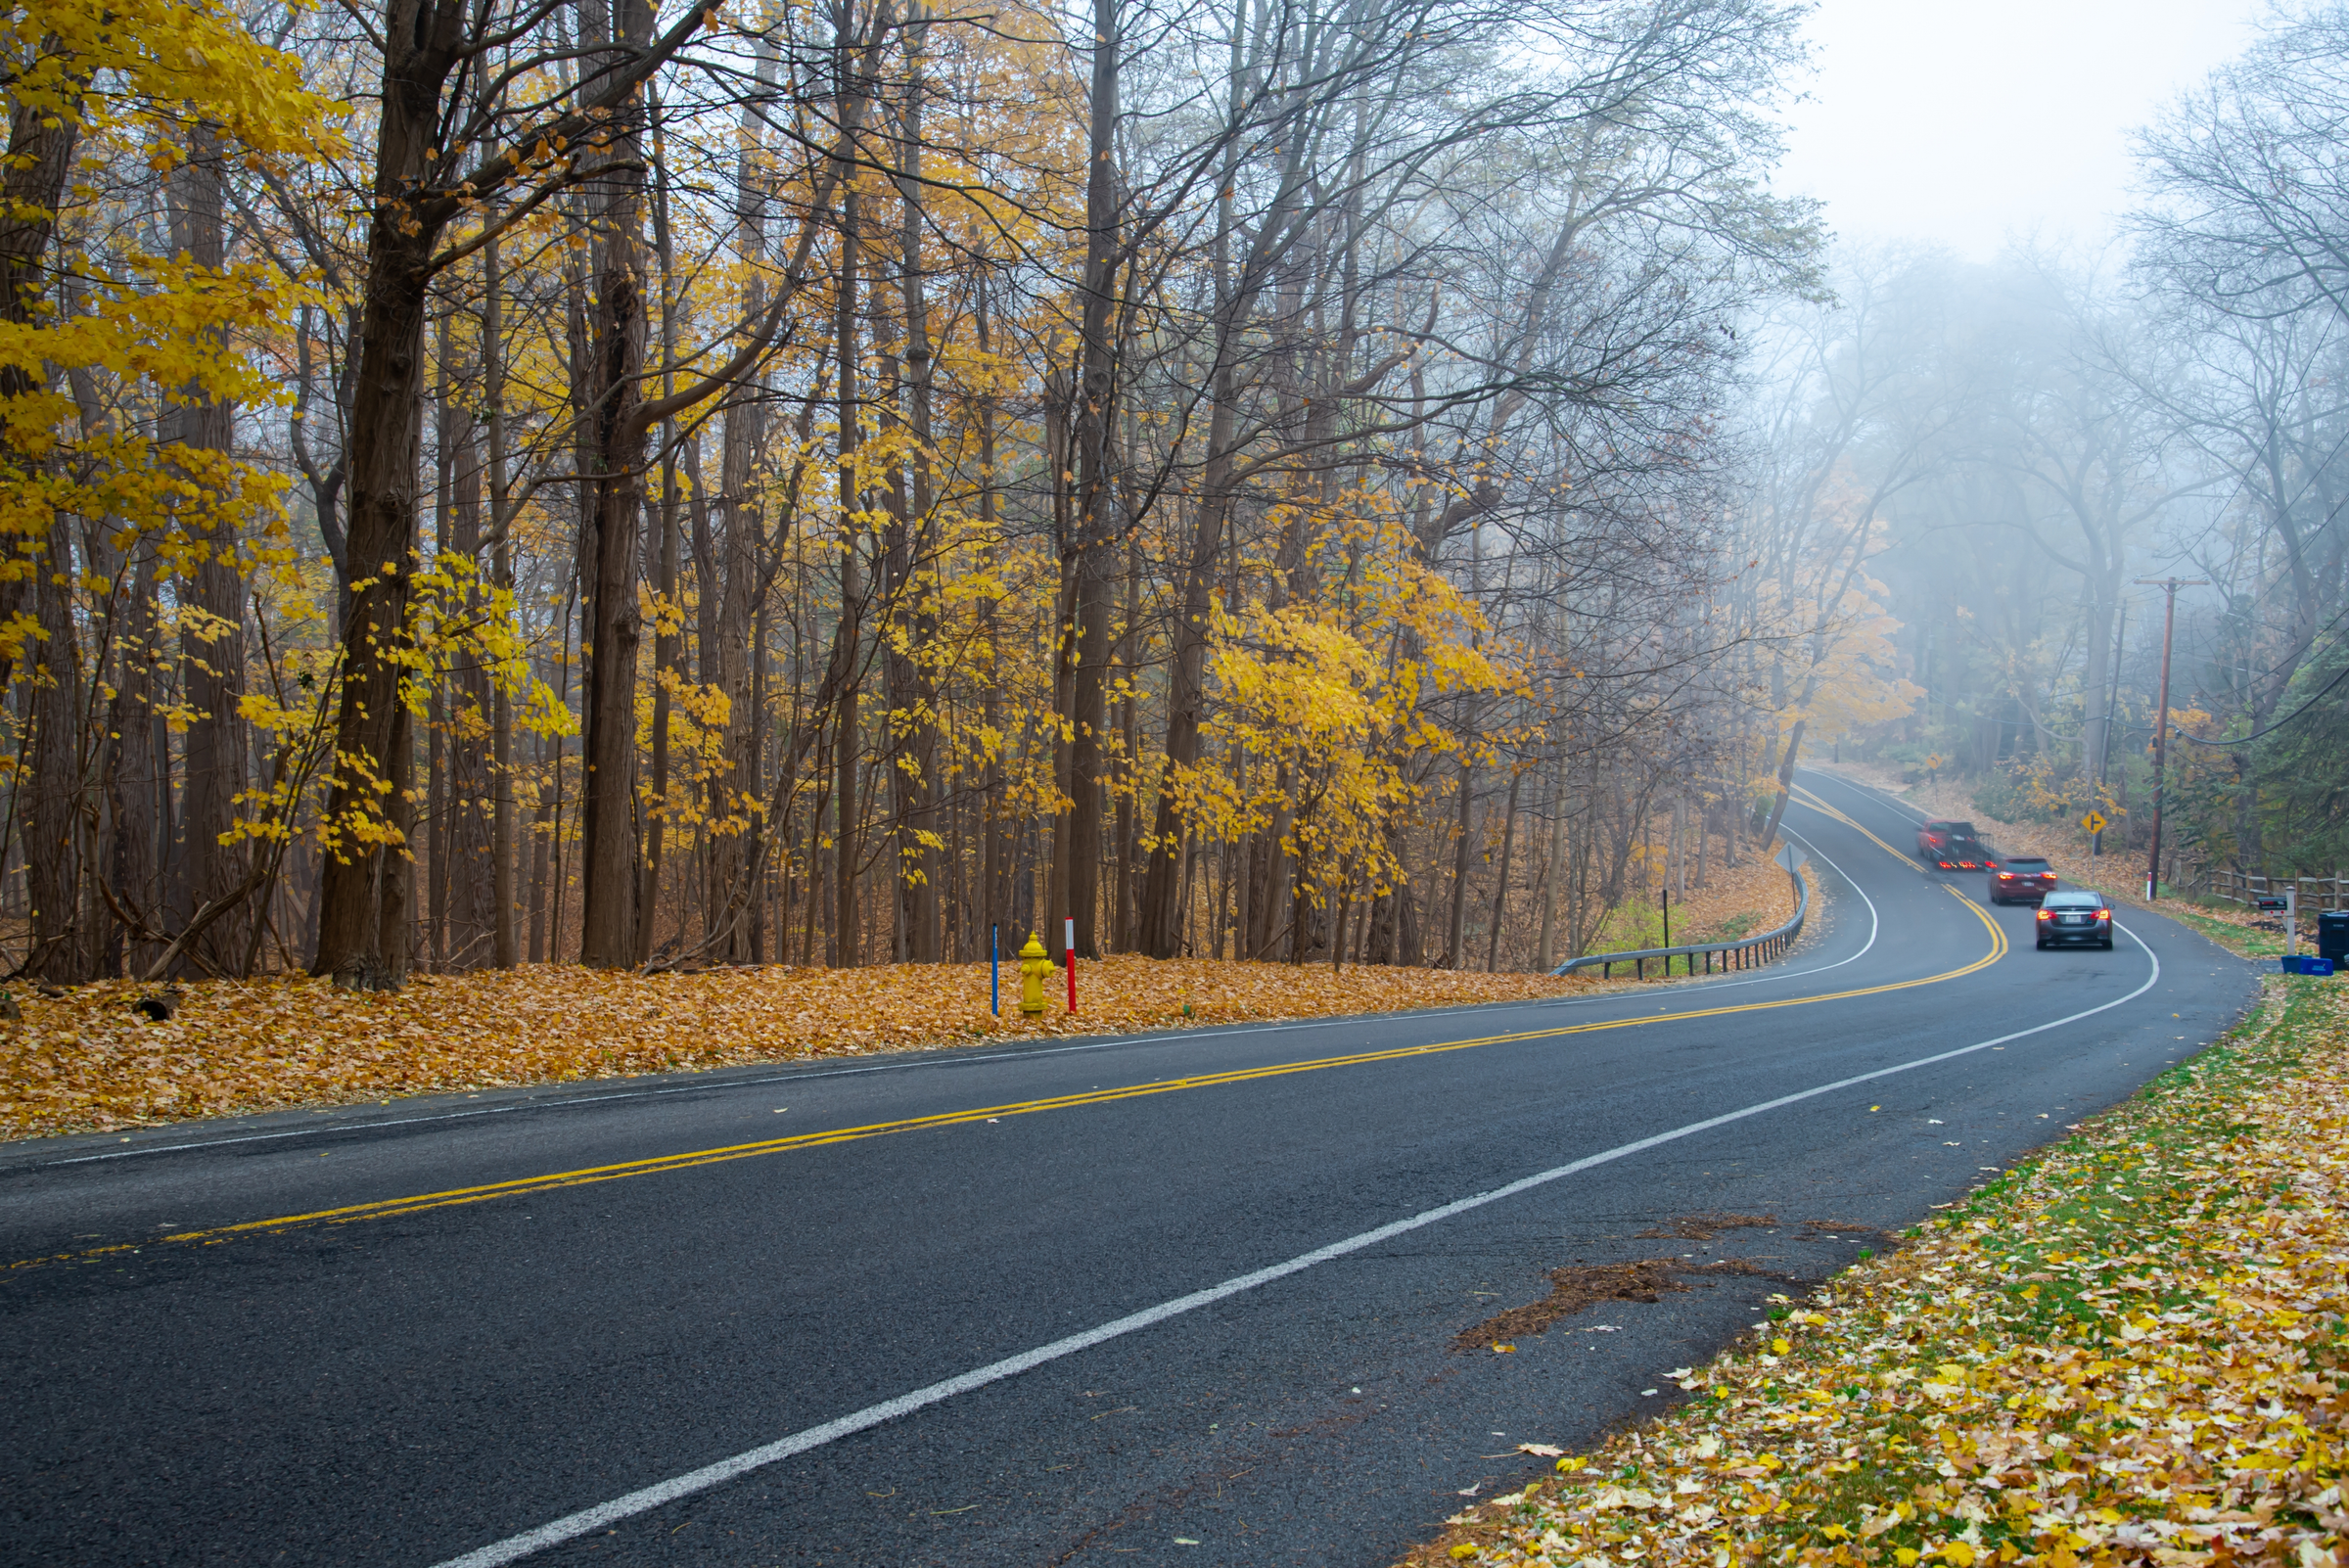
x,y
2270,729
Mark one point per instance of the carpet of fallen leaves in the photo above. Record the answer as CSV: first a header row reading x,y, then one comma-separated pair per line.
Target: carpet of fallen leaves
x,y
85,1061
1736,901
2130,1350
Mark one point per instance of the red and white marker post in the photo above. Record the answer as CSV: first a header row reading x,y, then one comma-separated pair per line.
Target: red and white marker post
x,y
1068,947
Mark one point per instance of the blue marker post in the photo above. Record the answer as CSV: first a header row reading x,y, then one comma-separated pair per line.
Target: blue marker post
x,y
995,970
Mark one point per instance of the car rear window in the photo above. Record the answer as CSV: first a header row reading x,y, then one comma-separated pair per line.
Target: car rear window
x,y
2027,863
2074,901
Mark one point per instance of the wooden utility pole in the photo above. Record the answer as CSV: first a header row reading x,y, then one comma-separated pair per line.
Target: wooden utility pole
x,y
2112,704
2161,721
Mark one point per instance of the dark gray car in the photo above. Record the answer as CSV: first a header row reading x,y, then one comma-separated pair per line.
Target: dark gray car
x,y
2074,919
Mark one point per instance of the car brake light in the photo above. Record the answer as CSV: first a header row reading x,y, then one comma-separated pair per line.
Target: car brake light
x,y
2006,876
2047,914
2104,914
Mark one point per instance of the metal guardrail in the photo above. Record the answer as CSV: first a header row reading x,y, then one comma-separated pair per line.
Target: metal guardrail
x,y
1745,954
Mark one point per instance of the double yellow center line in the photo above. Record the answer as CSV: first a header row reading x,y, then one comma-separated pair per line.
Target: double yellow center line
x,y
1821,807
524,1186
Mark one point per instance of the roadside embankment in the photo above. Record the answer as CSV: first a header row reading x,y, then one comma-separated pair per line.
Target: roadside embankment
x,y
2128,1348
88,1061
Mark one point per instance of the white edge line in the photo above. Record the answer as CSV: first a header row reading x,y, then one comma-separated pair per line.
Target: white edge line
x,y
574,1525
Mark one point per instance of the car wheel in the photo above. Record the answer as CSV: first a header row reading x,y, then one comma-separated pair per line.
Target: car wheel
x,y
2041,946
2108,945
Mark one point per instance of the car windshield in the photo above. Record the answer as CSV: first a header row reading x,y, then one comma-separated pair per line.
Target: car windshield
x,y
2074,901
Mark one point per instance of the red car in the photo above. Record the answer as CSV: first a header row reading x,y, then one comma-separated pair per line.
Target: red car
x,y
2021,879
1953,847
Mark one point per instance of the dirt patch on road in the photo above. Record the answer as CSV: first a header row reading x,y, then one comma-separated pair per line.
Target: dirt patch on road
x,y
1705,1227
1643,1280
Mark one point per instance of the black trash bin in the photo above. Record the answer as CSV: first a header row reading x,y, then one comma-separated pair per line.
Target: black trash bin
x,y
2332,935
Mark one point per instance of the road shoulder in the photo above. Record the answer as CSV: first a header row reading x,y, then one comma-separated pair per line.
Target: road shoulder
x,y
2128,1347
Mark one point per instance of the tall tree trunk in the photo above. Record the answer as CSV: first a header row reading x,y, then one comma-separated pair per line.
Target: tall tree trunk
x,y
472,779
845,928
212,639
608,789
737,548
32,182
1777,809
1500,889
504,854
995,873
1238,287
920,868
1464,848
419,187
137,801
669,644
1096,532
383,459
1554,870
67,940
40,153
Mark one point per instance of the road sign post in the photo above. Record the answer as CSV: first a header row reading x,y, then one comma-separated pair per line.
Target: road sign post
x,y
1792,858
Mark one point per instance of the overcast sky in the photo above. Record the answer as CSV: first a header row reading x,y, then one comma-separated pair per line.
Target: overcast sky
x,y
1966,125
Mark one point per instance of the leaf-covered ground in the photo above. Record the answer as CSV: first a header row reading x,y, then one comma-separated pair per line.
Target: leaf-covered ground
x,y
2129,1350
86,1061
1735,903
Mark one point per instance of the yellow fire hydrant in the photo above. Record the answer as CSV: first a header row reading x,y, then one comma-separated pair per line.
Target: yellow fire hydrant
x,y
1035,966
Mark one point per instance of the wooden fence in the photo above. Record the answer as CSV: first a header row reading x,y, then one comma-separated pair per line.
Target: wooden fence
x,y
2315,893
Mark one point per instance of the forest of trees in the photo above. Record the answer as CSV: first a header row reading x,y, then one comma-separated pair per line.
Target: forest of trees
x,y
506,483
2045,440
500,481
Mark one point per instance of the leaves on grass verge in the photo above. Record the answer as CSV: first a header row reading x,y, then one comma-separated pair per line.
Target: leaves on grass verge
x,y
2129,1350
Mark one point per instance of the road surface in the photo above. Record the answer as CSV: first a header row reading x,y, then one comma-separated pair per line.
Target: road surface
x,y
1179,1298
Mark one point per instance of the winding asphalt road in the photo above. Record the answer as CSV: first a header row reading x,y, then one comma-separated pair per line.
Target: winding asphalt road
x,y
1189,1298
